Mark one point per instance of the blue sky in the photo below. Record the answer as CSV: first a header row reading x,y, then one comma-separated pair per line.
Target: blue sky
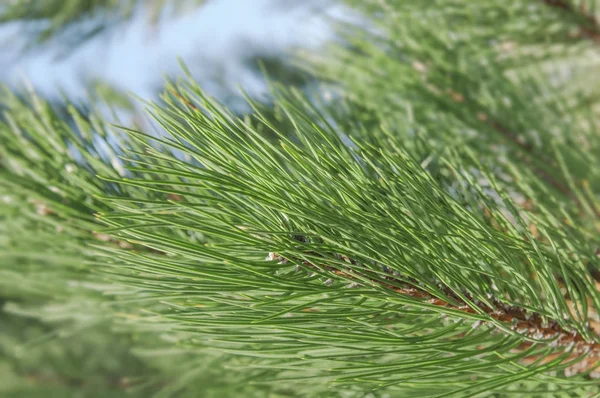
x,y
212,40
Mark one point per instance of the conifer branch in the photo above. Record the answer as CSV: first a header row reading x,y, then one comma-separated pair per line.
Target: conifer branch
x,y
589,29
527,148
528,324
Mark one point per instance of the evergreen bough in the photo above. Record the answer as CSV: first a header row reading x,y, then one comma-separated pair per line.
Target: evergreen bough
x,y
424,224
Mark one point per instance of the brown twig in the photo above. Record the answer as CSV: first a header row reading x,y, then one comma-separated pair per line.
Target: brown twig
x,y
590,29
121,383
183,99
125,244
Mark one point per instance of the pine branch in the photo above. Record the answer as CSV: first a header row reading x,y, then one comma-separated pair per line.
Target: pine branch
x,y
529,324
526,148
564,343
589,29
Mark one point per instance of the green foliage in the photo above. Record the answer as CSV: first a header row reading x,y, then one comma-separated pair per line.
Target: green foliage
x,y
429,220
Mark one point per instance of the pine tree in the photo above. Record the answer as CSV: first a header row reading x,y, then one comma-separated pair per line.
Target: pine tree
x,y
423,223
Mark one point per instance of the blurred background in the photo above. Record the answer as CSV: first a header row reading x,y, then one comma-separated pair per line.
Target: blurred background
x,y
73,47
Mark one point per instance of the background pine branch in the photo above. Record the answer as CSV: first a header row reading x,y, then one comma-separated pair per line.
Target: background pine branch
x,y
76,21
